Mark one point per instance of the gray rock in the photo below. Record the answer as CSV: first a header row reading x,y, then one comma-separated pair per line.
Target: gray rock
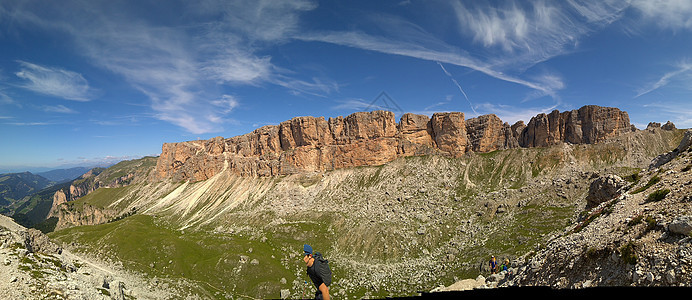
x,y
495,277
668,126
285,294
681,225
670,277
39,242
421,230
244,259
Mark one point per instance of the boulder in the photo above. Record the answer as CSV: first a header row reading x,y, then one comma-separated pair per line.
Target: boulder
x,y
39,242
285,294
604,188
681,225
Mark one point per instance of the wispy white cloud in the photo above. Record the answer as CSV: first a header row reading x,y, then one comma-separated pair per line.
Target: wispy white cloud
x,y
58,109
458,86
669,14
316,86
678,113
181,61
54,81
351,104
533,31
513,38
680,69
355,104
451,55
29,123
6,99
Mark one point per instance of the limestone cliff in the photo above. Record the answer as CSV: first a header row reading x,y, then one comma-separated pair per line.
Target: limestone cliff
x,y
307,144
122,174
80,187
587,125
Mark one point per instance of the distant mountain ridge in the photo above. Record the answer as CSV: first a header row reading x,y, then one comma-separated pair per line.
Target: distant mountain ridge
x,y
62,175
15,186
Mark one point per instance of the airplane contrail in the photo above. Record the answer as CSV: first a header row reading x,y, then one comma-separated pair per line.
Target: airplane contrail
x,y
458,85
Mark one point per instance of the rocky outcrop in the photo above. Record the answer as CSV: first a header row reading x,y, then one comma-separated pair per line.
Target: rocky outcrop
x,y
604,188
681,225
85,215
307,144
664,158
79,188
119,175
587,125
667,126
488,133
416,135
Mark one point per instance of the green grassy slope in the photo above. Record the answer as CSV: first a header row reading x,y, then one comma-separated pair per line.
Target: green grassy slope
x,y
391,230
15,186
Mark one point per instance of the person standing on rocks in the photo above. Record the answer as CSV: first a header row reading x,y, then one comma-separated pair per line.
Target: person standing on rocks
x,y
493,264
318,271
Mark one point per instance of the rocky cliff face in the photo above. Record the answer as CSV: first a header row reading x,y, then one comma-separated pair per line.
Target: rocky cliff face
x,y
83,185
122,174
305,144
587,125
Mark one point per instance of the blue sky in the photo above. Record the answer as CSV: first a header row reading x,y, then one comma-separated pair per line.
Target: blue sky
x,y
88,82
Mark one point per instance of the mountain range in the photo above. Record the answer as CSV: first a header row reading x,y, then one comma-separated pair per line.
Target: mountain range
x,y
396,207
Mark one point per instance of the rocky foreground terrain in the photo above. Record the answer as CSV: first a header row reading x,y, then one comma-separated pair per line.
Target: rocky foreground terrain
x,y
33,267
634,234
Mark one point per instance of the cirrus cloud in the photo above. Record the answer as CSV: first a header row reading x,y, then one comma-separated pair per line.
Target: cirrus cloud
x,y
53,81
182,61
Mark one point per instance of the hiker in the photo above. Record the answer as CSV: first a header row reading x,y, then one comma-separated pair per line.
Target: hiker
x,y
493,265
505,265
318,271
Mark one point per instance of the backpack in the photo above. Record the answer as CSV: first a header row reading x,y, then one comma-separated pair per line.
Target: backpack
x,y
322,268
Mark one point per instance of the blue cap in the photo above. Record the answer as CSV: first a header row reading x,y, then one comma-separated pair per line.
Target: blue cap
x,y
307,249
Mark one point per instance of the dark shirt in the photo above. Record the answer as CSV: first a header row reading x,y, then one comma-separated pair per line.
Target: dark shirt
x,y
314,276
319,274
